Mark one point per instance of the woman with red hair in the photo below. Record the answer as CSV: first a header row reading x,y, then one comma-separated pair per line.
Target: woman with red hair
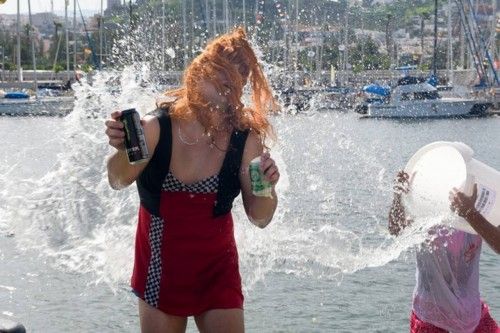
x,y
186,261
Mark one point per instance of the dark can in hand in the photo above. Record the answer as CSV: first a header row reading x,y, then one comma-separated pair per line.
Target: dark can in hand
x,y
135,141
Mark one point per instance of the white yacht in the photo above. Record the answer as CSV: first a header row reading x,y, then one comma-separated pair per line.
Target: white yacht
x,y
416,98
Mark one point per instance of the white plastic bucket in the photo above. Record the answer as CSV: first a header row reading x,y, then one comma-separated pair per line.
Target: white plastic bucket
x,y
439,167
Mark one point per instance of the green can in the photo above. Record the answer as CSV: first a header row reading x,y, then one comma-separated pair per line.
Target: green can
x,y
260,186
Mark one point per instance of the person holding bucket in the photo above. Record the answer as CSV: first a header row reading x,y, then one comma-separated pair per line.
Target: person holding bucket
x,y
446,297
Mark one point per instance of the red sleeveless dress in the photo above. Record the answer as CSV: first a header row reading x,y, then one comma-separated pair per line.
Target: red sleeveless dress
x,y
186,261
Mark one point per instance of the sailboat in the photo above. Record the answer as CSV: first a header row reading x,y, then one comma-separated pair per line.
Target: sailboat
x,y
20,103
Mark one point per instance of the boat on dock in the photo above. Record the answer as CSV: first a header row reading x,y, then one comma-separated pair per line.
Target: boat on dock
x,y
417,98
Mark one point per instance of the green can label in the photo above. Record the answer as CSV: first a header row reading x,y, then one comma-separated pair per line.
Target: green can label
x,y
260,186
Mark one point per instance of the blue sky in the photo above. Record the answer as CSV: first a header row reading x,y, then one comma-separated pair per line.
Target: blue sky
x,y
37,6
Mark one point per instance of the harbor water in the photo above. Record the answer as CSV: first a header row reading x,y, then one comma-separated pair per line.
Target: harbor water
x,y
325,264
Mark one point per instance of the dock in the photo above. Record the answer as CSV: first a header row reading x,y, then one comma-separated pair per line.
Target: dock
x,y
28,84
44,106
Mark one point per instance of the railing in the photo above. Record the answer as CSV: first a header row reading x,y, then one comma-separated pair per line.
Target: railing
x,y
28,75
465,77
460,77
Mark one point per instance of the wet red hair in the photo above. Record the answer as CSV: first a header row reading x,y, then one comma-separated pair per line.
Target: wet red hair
x,y
227,62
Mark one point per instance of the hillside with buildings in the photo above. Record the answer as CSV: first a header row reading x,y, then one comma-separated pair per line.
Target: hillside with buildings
x,y
312,36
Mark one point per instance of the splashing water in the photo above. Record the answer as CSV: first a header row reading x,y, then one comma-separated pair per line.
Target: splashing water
x,y
329,221
71,214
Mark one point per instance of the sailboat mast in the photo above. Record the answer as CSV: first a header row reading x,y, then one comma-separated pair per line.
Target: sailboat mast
x,y
362,40
207,19
244,14
32,37
101,22
214,8
346,39
296,51
226,15
163,35
285,38
462,46
434,54
184,32
18,53
450,45
493,35
66,37
191,31
74,35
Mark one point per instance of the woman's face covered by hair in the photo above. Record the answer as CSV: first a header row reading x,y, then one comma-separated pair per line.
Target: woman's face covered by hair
x,y
216,92
214,82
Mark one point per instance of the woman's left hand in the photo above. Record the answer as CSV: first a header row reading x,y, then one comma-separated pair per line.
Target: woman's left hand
x,y
269,168
462,204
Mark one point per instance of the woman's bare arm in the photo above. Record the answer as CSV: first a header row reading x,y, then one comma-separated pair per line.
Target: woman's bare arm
x,y
464,206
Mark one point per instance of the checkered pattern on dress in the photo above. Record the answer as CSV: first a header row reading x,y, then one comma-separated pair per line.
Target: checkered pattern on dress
x,y
152,291
207,185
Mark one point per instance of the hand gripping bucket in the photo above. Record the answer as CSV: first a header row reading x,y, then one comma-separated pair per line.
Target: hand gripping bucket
x,y
438,167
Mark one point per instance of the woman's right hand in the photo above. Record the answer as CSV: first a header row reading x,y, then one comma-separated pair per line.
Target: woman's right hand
x,y
115,132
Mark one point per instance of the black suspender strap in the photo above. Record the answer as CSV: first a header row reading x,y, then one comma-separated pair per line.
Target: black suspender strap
x,y
150,181
229,180
165,143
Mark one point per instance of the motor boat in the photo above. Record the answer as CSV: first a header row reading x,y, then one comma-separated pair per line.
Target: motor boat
x,y
417,98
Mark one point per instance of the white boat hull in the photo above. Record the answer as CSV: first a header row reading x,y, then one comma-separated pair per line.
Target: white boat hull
x,y
439,108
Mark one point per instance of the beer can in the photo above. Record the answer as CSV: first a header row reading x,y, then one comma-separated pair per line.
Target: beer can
x,y
135,141
260,186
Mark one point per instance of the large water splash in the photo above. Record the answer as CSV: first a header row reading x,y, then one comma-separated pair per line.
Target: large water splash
x,y
71,215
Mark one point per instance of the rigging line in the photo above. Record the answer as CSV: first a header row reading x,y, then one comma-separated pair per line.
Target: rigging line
x,y
485,49
470,38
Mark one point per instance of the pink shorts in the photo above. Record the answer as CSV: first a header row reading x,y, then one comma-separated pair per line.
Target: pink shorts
x,y
486,325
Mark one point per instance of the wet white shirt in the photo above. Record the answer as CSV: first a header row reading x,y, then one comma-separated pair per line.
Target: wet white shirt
x,y
447,290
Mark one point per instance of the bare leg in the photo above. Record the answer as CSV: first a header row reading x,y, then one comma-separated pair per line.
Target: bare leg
x,y
153,320
221,321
